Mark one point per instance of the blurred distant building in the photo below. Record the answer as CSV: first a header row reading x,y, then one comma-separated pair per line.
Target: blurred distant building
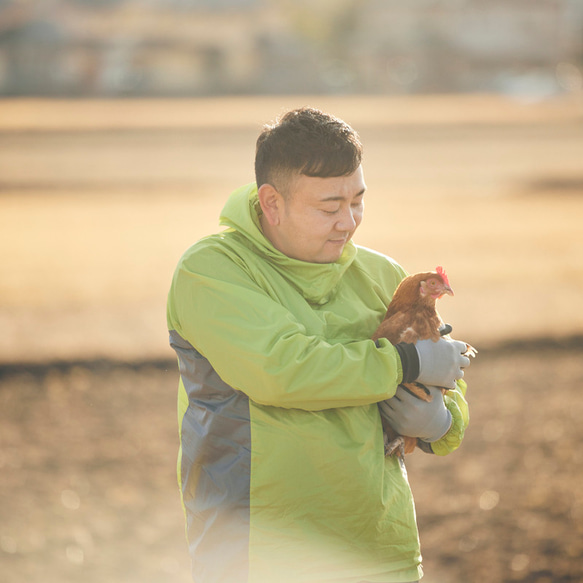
x,y
206,47
471,45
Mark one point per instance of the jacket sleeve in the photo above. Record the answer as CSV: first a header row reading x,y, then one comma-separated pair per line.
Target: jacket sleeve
x,y
456,402
258,347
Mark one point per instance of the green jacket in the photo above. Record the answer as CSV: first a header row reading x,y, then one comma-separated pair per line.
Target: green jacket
x,y
281,465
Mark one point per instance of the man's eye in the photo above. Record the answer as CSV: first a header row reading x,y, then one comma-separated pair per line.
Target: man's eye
x,y
329,212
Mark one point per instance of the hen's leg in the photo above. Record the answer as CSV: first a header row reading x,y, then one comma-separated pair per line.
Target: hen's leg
x,y
400,445
396,446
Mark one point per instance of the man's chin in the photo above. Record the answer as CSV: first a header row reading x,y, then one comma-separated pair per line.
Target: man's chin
x,y
331,256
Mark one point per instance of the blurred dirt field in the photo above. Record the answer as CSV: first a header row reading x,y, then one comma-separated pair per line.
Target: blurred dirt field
x,y
94,217
99,199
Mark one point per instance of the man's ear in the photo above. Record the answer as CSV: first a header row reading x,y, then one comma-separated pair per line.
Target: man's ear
x,y
271,203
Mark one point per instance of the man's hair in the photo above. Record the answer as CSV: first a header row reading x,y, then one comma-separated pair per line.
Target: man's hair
x,y
305,141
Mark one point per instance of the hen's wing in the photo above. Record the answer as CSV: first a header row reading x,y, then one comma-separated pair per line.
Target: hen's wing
x,y
397,328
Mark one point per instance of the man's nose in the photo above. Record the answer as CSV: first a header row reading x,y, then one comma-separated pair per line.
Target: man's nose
x,y
347,221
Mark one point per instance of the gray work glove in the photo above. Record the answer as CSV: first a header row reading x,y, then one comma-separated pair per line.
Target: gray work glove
x,y
441,363
408,415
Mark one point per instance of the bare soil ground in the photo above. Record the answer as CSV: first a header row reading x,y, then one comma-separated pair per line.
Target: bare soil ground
x,y
99,199
88,491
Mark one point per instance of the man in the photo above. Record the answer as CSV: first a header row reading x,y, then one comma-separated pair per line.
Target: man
x,y
282,466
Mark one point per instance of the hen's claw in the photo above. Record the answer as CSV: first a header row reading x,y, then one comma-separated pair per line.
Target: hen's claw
x,y
470,351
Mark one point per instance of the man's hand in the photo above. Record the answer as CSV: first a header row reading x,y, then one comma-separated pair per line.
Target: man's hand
x,y
441,363
408,415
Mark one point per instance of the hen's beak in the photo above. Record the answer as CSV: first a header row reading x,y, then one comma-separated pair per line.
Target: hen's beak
x,y
447,290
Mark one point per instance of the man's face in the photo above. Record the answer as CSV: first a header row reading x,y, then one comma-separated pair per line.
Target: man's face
x,y
319,216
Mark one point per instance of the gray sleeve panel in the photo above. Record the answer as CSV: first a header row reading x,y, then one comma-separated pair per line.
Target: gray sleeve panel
x,y
215,469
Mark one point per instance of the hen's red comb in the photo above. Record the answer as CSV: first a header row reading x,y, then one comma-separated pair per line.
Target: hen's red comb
x,y
441,273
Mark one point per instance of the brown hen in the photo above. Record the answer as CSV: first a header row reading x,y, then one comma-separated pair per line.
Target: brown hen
x,y
412,316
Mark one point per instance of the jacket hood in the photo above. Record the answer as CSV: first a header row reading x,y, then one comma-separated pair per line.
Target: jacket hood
x,y
316,281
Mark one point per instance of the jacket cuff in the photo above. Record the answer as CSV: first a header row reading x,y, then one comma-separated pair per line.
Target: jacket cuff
x,y
424,446
409,361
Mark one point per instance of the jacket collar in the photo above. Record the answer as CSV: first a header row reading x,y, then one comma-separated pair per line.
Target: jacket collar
x,y
315,281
